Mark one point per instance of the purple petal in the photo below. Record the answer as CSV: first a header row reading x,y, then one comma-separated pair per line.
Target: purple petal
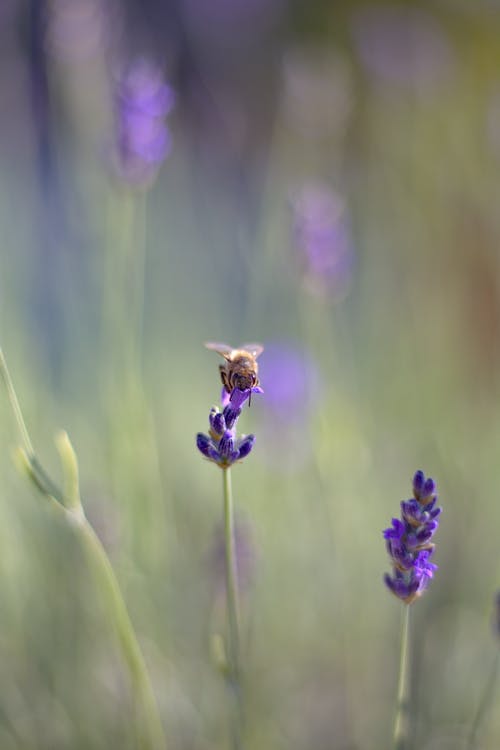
x,y
226,445
238,397
206,447
418,482
429,488
246,445
217,422
396,531
231,415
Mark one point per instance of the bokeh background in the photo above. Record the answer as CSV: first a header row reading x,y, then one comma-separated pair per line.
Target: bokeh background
x,y
323,178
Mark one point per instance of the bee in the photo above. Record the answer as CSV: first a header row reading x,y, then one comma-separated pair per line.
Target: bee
x,y
240,369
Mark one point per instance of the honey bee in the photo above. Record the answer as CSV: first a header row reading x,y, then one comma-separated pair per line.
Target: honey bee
x,y
240,369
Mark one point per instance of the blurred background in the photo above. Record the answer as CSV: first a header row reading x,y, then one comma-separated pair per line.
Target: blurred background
x,y
323,178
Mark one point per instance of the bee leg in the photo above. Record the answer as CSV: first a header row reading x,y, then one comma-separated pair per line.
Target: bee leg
x,y
223,377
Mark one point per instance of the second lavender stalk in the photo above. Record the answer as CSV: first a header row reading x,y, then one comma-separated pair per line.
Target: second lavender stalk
x,y
409,545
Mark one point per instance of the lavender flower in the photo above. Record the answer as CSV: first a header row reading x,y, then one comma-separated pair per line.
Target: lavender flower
x,y
290,398
322,237
143,101
221,444
294,388
408,541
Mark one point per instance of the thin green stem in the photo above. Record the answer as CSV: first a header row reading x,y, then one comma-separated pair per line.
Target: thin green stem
x,y
233,614
485,702
150,732
25,438
402,721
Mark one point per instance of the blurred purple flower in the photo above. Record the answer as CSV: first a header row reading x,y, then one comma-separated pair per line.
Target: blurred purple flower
x,y
292,380
322,237
401,45
408,541
294,388
143,101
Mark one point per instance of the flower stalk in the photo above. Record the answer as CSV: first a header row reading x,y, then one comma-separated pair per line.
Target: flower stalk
x,y
402,720
233,612
408,542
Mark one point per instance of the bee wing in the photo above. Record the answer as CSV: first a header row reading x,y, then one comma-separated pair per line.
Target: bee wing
x,y
254,349
223,349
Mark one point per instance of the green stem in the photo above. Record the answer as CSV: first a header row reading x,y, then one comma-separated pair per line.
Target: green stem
x,y
25,438
151,731
485,701
69,509
402,721
233,614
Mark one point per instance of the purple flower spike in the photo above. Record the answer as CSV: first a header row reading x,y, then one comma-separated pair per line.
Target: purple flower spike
x,y
221,446
408,541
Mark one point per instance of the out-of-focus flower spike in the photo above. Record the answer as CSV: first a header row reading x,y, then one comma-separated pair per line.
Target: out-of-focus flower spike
x,y
408,541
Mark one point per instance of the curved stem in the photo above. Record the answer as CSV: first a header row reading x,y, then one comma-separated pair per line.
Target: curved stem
x,y
150,730
69,509
402,721
11,393
233,614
